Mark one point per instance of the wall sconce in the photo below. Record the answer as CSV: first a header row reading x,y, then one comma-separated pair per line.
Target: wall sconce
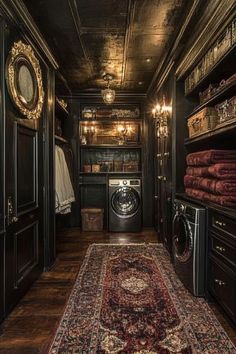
x,y
161,113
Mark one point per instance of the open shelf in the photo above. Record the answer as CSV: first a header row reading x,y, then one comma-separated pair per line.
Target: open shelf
x,y
110,173
108,120
224,93
226,210
226,129
61,107
104,146
221,70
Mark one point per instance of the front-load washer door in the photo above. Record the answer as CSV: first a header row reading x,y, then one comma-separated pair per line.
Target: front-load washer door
x,y
125,202
182,238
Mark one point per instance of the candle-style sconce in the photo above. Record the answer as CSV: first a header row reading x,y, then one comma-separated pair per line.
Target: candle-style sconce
x,y
124,131
89,132
161,113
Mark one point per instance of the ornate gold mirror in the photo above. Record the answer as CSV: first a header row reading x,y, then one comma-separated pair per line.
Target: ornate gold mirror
x,y
24,80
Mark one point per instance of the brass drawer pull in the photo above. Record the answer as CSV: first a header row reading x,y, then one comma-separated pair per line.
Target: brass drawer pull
x,y
219,282
221,249
220,223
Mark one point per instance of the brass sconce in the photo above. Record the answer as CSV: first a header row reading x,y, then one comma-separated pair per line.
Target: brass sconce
x,y
161,114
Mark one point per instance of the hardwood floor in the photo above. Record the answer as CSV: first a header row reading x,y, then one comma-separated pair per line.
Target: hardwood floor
x,y
30,327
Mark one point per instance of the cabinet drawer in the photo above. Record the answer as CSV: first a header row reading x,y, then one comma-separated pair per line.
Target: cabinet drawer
x,y
223,249
92,180
223,224
222,284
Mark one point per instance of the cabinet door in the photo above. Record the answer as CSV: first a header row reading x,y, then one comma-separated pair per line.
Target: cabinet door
x,y
24,239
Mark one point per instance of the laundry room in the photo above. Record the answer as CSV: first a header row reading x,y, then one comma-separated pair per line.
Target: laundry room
x,y
118,177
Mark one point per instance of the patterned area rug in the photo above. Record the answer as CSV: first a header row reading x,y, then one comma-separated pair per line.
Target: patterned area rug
x,y
127,299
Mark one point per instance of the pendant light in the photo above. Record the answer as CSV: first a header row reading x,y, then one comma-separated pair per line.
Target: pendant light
x,y
108,94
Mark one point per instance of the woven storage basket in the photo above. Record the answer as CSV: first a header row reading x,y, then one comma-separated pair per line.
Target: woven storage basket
x,y
92,219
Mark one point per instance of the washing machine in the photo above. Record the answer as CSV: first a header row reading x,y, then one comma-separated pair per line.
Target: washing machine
x,y
125,205
189,245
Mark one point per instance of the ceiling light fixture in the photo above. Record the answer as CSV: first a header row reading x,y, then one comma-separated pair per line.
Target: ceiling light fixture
x,y
108,95
148,60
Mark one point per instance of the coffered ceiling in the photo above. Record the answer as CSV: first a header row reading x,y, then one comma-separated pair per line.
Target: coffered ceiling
x,y
125,38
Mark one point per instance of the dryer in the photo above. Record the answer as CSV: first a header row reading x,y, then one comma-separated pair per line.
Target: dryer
x,y
189,245
125,205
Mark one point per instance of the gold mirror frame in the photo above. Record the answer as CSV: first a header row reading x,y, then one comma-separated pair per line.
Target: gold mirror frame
x,y
23,55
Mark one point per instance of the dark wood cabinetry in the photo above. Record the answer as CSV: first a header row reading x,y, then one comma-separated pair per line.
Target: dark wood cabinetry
x,y
222,261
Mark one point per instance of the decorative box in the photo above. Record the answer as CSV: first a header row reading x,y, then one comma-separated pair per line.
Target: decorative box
x,y
202,121
118,166
234,32
87,168
95,168
131,166
226,110
222,45
208,93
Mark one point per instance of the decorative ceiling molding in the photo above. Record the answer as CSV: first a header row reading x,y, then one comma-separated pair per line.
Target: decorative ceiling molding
x,y
77,23
218,21
17,12
128,32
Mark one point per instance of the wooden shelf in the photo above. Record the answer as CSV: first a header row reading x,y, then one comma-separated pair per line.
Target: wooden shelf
x,y
225,128
110,173
59,138
60,106
111,146
221,70
109,120
227,210
220,96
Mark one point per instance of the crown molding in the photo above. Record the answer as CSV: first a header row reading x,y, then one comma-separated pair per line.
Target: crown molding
x,y
167,61
18,13
222,15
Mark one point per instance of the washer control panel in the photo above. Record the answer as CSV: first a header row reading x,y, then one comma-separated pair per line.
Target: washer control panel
x,y
124,182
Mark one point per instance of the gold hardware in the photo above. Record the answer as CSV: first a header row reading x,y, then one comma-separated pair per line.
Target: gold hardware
x,y
160,177
158,155
219,282
156,197
10,211
220,223
221,249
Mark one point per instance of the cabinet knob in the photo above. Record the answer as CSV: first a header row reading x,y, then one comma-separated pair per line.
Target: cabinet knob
x,y
156,197
219,282
220,223
14,219
221,249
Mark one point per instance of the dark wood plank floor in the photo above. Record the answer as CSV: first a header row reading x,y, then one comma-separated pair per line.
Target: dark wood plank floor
x,y
30,327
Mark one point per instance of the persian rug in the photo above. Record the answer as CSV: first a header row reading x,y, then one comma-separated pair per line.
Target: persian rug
x,y
128,299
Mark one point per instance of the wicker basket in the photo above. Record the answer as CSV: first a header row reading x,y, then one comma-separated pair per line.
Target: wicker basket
x,y
92,219
202,121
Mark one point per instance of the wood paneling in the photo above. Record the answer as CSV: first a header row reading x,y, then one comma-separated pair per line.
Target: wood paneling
x,y
27,169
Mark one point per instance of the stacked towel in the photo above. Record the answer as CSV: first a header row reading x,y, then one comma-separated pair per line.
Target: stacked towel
x,y
211,176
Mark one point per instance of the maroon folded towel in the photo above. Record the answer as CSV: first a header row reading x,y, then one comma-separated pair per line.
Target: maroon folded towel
x,y
211,185
219,170
209,157
223,200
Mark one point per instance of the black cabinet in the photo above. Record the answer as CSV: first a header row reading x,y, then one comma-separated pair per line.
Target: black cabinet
x,y
222,261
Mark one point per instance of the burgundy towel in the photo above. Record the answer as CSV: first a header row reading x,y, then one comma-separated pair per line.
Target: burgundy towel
x,y
219,170
224,200
209,157
211,185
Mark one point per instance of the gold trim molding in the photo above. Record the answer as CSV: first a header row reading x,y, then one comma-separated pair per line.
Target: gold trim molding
x,y
23,54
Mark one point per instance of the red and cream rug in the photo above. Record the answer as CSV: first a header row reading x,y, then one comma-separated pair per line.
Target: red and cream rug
x,y
128,299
